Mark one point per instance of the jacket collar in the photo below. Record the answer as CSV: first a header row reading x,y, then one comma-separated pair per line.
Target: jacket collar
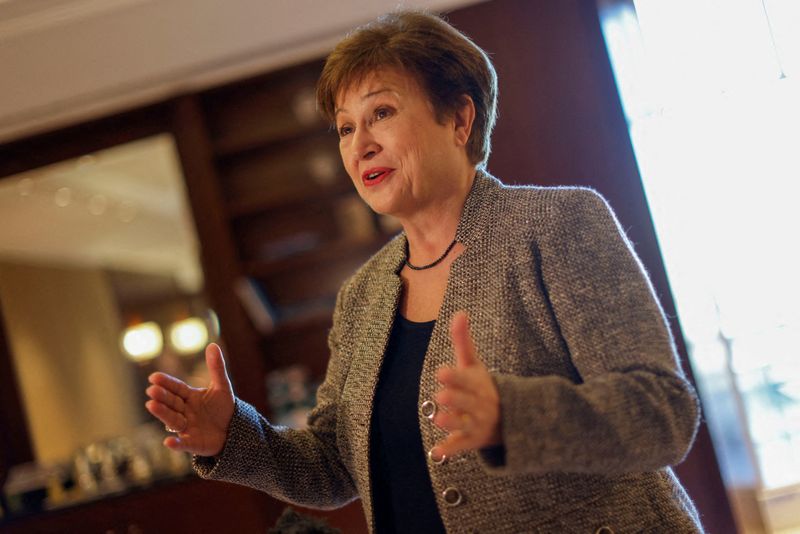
x,y
476,208
470,225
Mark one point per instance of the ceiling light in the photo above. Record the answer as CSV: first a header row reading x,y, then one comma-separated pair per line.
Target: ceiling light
x,y
63,197
188,336
143,341
127,211
98,204
25,186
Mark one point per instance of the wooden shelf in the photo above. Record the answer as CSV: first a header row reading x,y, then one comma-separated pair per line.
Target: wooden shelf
x,y
262,110
194,505
301,340
270,202
228,147
329,253
317,315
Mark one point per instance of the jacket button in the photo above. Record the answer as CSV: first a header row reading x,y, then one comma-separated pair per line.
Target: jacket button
x,y
428,409
452,497
604,530
438,460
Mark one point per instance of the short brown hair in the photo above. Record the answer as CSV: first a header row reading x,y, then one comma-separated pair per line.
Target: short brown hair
x,y
447,64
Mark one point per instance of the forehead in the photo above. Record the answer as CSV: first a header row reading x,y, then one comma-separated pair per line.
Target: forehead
x,y
390,79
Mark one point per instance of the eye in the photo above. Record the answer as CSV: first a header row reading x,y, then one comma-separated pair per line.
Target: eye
x,y
382,113
345,130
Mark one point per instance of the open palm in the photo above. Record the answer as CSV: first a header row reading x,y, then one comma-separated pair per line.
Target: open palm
x,y
199,416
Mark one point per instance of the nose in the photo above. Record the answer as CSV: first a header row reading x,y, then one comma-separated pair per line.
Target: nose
x,y
364,144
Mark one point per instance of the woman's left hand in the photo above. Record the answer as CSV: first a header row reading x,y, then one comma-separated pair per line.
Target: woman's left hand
x,y
469,397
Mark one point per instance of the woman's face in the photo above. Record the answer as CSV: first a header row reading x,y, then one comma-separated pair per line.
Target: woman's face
x,y
400,158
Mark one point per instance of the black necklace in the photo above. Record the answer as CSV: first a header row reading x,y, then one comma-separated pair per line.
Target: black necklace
x,y
435,263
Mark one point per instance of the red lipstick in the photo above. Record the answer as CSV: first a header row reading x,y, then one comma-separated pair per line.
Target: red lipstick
x,y
375,175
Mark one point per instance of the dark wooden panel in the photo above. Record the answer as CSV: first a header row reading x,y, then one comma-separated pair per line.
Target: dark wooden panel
x,y
305,346
270,108
314,277
313,282
362,249
189,506
30,153
281,233
285,172
218,255
302,227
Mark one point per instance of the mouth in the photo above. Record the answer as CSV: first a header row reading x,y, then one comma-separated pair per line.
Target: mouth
x,y
374,176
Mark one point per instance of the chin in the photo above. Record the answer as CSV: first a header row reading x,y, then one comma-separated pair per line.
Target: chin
x,y
380,208
385,201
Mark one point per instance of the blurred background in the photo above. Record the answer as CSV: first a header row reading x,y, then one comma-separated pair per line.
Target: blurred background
x,y
165,182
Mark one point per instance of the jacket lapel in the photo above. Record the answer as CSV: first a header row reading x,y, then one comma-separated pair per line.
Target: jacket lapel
x,y
363,378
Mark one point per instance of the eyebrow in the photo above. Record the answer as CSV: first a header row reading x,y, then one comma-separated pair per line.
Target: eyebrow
x,y
366,96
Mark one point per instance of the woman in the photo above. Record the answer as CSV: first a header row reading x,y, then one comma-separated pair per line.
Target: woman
x,y
558,408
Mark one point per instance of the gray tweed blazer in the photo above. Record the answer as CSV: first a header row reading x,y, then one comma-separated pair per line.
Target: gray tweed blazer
x,y
594,404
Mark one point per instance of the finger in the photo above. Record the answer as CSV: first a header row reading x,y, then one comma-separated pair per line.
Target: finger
x,y
458,399
171,384
216,367
460,378
455,443
165,397
166,415
463,347
452,421
178,443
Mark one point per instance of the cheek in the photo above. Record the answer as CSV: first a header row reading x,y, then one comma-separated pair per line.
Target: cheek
x,y
347,161
416,153
419,144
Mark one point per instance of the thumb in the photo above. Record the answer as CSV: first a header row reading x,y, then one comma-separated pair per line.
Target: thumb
x,y
464,348
216,367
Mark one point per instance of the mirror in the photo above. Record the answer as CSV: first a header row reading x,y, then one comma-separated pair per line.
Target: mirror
x,y
100,285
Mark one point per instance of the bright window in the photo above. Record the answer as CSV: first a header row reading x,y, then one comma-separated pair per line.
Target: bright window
x,y
711,90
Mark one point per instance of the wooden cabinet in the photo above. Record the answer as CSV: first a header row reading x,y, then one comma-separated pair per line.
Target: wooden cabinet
x,y
187,506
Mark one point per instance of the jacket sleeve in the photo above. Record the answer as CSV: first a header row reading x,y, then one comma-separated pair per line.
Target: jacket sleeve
x,y
632,410
302,467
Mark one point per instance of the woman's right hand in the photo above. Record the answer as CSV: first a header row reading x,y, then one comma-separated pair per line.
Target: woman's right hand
x,y
200,415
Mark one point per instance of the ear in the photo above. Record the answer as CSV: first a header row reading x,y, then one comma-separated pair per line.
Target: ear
x,y
463,119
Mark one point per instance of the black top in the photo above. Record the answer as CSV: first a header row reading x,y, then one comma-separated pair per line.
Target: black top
x,y
403,499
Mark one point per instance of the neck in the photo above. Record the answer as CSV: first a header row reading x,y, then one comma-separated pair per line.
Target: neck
x,y
431,230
